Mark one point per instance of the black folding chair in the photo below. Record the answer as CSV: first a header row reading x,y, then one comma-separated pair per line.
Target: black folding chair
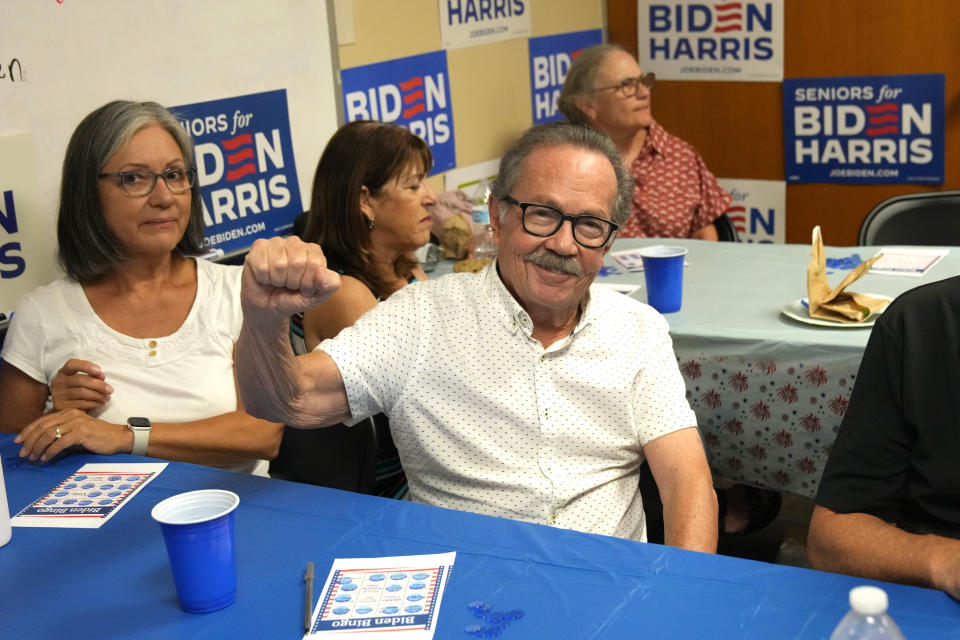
x,y
726,232
918,218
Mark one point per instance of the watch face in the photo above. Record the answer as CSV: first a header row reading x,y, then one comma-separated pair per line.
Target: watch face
x,y
138,423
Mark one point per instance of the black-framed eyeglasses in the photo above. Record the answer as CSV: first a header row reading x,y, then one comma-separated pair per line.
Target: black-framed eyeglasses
x,y
628,87
544,221
141,182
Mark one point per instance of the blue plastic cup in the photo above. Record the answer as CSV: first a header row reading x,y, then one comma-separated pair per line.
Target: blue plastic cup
x,y
663,272
197,528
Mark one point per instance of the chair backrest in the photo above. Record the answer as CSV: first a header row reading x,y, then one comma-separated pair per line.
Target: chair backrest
x,y
726,232
915,218
339,456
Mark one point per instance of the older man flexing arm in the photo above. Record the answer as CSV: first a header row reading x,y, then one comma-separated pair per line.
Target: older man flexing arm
x,y
577,385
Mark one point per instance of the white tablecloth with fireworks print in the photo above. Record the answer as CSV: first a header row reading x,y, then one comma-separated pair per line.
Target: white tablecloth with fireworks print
x,y
769,392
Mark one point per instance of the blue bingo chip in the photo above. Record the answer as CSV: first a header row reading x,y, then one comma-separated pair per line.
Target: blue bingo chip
x,y
420,575
413,608
364,610
417,585
377,577
394,587
343,598
349,587
479,606
341,610
415,597
391,609
397,576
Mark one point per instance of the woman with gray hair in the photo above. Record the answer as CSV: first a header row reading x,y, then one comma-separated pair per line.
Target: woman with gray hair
x,y
675,195
133,350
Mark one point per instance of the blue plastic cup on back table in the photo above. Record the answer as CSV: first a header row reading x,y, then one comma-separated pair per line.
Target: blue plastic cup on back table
x,y
663,272
197,528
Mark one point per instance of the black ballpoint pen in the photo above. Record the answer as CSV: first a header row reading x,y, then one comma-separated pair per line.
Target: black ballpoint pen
x,y
308,596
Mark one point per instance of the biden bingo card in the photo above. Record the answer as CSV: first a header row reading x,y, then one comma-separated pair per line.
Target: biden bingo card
x,y
399,594
89,496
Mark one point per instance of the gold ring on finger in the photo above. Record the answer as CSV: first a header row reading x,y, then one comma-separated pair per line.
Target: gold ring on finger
x,y
59,435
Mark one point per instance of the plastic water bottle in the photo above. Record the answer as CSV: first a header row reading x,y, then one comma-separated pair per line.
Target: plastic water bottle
x,y
484,246
5,530
867,619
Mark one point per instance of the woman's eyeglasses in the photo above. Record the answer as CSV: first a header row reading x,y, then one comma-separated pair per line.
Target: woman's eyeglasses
x,y
141,182
628,87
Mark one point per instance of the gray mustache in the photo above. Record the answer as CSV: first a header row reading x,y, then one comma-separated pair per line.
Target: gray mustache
x,y
555,262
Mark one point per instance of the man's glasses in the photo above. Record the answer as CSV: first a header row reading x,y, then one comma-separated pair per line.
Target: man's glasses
x,y
628,87
543,221
139,183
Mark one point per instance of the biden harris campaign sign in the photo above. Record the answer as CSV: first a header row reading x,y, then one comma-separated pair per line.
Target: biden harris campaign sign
x,y
866,129
28,242
758,208
550,59
689,40
413,92
245,168
464,23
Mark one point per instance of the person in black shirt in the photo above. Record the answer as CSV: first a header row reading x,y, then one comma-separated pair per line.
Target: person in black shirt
x,y
888,506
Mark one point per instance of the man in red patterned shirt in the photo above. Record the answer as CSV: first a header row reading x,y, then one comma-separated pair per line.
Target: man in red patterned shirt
x,y
674,195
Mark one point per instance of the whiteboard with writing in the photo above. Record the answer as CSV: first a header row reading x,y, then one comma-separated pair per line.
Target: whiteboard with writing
x,y
61,59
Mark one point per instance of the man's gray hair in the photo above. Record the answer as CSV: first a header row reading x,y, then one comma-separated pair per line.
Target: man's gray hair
x,y
86,247
580,80
558,134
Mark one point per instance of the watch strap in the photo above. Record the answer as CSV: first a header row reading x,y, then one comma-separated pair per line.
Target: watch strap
x,y
141,434
140,439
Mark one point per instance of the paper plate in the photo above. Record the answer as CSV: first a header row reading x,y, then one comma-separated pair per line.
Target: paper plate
x,y
797,310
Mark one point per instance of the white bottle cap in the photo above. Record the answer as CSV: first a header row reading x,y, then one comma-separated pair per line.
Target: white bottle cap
x,y
868,601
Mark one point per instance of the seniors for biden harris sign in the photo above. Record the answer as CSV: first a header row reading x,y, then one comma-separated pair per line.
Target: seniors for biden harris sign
x,y
245,168
864,129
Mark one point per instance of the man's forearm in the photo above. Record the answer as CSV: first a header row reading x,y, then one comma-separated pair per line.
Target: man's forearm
x,y
268,373
690,516
867,546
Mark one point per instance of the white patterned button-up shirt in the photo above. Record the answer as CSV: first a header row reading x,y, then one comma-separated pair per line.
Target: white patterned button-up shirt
x,y
487,420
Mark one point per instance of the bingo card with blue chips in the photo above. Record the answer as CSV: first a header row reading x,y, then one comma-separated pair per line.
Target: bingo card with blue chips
x,y
89,496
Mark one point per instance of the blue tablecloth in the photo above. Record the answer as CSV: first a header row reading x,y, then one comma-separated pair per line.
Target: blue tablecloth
x,y
114,582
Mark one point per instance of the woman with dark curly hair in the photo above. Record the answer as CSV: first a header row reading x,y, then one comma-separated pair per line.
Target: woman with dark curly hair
x,y
368,213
